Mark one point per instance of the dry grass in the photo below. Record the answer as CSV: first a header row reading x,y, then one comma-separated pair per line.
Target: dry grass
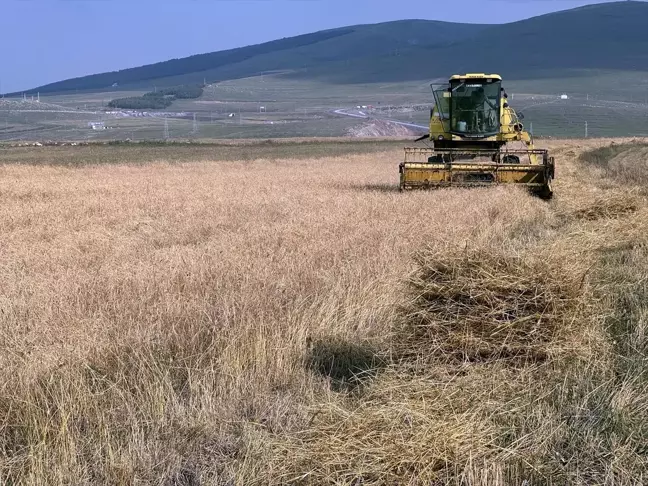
x,y
224,150
625,162
296,320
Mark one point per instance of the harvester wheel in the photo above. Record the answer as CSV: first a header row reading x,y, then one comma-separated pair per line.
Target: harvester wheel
x,y
546,193
511,159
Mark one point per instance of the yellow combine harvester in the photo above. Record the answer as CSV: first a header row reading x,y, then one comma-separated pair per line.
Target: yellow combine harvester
x,y
478,140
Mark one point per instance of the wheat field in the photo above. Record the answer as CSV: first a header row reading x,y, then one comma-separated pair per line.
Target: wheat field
x,y
297,320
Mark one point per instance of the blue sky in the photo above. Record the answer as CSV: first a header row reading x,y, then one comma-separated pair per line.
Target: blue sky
x,y
43,41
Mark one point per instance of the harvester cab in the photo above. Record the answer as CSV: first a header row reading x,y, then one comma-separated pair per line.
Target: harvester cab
x,y
477,139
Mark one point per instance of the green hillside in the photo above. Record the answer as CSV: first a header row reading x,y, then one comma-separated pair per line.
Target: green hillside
x,y
596,37
295,53
604,36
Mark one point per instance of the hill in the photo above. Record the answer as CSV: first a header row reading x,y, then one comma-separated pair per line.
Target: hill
x,y
294,53
602,36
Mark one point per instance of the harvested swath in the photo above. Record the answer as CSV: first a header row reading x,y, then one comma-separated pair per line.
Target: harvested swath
x,y
438,428
616,206
485,304
472,314
625,162
381,442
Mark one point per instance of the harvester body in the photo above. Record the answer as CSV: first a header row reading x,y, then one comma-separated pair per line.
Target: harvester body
x,y
478,139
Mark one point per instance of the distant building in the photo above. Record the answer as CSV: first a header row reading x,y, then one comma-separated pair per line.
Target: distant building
x,y
564,97
97,125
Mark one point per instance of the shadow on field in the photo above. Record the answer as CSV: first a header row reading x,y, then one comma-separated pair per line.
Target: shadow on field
x,y
375,187
347,365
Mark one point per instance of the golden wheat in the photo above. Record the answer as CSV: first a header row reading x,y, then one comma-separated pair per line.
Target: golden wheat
x,y
300,320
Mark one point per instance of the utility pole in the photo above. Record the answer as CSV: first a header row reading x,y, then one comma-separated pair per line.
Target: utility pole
x,y
166,128
195,125
531,129
586,130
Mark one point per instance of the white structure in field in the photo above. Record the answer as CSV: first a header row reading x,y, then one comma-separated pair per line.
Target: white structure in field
x,y
97,125
564,97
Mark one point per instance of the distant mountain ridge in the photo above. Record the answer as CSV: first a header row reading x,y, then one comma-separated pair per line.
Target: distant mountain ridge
x,y
601,36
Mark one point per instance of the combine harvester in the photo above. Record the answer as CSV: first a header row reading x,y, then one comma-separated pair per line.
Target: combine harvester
x,y
478,140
